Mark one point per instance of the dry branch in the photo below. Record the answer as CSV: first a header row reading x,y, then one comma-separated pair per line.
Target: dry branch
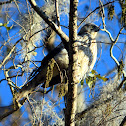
x,y
73,66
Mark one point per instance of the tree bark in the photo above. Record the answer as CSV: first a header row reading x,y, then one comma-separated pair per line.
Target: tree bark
x,y
73,66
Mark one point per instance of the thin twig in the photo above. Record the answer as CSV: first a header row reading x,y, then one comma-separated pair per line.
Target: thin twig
x,y
8,56
102,14
17,6
81,115
5,2
11,109
123,123
111,48
63,36
57,13
9,82
110,36
94,11
102,120
113,43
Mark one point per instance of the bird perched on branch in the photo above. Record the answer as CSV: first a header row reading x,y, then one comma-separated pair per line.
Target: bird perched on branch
x,y
54,67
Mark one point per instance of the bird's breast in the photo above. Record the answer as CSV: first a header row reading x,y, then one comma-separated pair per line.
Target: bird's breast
x,y
86,58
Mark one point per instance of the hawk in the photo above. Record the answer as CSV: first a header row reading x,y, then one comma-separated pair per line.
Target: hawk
x,y
87,55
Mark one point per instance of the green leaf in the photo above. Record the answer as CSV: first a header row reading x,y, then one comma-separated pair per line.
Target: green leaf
x,y
93,72
101,77
5,25
91,81
93,76
82,82
104,79
9,28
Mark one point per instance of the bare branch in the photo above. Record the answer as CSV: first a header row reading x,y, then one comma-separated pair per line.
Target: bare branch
x,y
115,106
63,36
123,123
81,115
111,48
17,6
111,38
122,83
5,2
73,66
57,13
103,14
8,56
8,110
94,11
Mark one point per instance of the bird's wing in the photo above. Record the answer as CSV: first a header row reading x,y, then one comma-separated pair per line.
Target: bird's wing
x,y
45,61
39,75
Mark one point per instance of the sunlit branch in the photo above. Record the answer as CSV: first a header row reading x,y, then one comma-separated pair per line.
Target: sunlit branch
x,y
57,13
58,30
11,51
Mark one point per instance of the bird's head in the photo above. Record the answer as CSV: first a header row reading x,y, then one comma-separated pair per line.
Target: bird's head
x,y
90,29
